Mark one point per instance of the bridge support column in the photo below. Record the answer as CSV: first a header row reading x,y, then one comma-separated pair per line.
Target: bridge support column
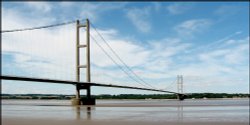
x,y
181,97
88,92
88,100
76,100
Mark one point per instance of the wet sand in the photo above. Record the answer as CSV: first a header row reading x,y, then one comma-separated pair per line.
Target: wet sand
x,y
18,121
126,112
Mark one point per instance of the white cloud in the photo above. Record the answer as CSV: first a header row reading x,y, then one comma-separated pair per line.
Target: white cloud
x,y
162,53
89,11
16,19
179,8
139,17
10,20
219,66
228,53
239,55
125,51
21,58
93,11
192,26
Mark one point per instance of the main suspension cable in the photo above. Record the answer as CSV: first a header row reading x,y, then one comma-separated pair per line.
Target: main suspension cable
x,y
115,61
121,59
40,27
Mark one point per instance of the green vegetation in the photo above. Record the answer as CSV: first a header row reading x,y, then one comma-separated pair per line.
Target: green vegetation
x,y
125,96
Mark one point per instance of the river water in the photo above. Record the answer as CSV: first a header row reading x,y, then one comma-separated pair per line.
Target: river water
x,y
228,110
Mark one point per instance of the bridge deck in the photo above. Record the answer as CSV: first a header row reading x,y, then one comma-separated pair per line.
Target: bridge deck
x,y
18,78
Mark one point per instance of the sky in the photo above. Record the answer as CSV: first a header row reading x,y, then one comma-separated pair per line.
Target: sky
x,y
206,42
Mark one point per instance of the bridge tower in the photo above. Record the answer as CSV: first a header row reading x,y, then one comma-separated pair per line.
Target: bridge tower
x,y
180,87
88,100
180,84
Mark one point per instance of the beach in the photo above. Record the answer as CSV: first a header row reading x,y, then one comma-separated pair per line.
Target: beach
x,y
73,122
127,112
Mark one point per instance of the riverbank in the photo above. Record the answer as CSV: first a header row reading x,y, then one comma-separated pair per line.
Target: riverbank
x,y
127,96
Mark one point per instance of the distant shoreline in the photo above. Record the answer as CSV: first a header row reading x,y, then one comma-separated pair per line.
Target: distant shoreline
x,y
138,99
127,96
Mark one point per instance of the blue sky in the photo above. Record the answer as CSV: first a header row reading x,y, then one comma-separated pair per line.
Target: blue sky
x,y
206,42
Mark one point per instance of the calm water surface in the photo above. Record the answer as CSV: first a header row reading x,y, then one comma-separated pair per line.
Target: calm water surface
x,y
234,110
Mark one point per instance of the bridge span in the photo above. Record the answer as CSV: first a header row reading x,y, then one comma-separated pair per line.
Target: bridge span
x,y
87,85
82,84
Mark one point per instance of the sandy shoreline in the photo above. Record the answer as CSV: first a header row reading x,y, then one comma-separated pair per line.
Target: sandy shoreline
x,y
22,121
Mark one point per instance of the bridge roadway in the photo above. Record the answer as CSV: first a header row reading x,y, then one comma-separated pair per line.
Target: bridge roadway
x,y
18,78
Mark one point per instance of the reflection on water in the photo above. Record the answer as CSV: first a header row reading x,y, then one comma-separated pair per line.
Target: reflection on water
x,y
126,110
83,113
180,113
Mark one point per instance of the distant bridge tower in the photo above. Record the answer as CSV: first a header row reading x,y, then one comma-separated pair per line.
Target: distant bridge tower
x,y
180,84
180,87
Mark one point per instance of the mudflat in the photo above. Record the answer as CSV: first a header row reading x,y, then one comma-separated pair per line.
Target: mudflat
x,y
18,121
126,112
26,121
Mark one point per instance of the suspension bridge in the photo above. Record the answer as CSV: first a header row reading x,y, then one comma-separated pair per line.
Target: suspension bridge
x,y
79,85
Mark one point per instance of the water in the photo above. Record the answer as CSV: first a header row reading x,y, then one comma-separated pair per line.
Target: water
x,y
230,110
